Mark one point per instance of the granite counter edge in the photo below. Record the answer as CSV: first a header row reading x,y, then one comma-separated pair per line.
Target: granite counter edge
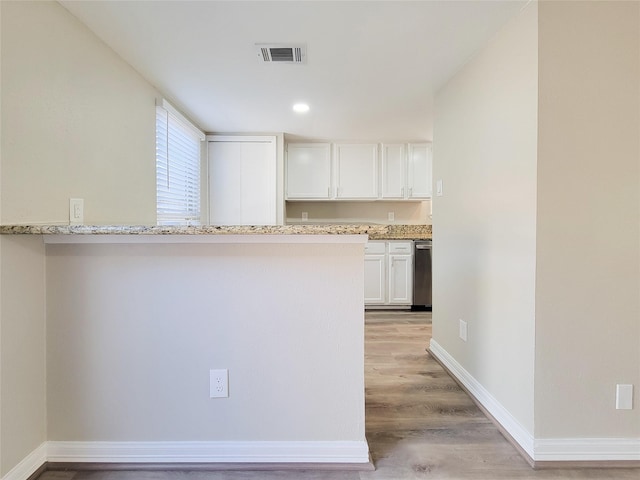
x,y
378,232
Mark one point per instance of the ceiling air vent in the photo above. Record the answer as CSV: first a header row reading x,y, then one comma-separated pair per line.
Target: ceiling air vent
x,y
281,53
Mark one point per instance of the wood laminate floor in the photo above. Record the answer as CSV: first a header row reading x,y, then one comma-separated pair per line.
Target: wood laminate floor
x,y
420,424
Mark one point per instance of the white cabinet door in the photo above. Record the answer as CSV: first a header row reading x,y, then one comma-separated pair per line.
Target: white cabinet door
x,y
400,279
393,171
375,276
308,171
356,171
242,180
388,273
419,171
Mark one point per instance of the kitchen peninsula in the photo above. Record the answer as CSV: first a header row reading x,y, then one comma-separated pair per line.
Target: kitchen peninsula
x,y
135,317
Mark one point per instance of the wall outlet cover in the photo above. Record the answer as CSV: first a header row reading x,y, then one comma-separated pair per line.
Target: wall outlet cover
x,y
218,383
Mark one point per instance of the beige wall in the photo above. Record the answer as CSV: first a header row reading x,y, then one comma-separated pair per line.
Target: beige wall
x,y
1,463
588,249
22,348
484,224
77,122
132,331
549,279
321,212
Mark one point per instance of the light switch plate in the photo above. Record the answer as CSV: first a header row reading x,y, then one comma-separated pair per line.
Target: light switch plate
x,y
463,330
624,397
76,211
439,188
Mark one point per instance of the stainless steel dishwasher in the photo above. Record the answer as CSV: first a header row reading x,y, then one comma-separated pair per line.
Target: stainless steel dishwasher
x,y
421,275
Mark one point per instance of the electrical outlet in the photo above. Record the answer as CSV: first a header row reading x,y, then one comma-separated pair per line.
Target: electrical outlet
x,y
624,397
463,330
218,383
305,216
391,216
76,211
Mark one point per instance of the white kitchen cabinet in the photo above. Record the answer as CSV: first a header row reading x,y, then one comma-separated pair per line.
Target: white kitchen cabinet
x,y
406,171
394,175
356,171
242,180
308,171
400,279
388,273
419,170
375,279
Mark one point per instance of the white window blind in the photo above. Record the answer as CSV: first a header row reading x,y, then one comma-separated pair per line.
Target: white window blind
x,y
177,167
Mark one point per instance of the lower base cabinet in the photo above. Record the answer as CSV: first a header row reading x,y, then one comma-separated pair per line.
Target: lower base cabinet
x,y
388,273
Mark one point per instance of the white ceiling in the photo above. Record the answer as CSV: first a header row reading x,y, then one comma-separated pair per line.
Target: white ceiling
x,y
371,73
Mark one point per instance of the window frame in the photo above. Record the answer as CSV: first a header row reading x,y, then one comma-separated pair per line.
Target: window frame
x,y
178,139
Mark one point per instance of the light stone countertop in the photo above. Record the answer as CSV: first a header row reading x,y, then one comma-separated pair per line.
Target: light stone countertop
x,y
375,232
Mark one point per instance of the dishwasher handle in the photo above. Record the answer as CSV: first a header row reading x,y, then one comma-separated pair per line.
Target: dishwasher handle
x,y
423,247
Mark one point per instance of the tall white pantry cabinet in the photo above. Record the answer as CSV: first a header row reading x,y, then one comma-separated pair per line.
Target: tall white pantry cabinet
x,y
242,179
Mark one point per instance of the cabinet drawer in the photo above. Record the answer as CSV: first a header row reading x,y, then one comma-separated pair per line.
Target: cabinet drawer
x,y
400,247
374,247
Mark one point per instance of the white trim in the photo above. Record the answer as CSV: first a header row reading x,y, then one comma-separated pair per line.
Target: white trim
x,y
224,239
587,449
541,450
495,408
210,452
242,138
29,464
163,103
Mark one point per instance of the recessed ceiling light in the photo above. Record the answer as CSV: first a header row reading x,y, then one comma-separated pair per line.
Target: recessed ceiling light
x,y
301,108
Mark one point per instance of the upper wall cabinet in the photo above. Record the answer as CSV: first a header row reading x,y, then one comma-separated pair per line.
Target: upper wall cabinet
x,y
308,171
406,171
356,171
394,171
419,171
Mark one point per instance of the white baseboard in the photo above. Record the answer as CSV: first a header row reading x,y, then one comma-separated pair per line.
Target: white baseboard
x,y
29,465
209,452
191,452
541,450
495,408
587,449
